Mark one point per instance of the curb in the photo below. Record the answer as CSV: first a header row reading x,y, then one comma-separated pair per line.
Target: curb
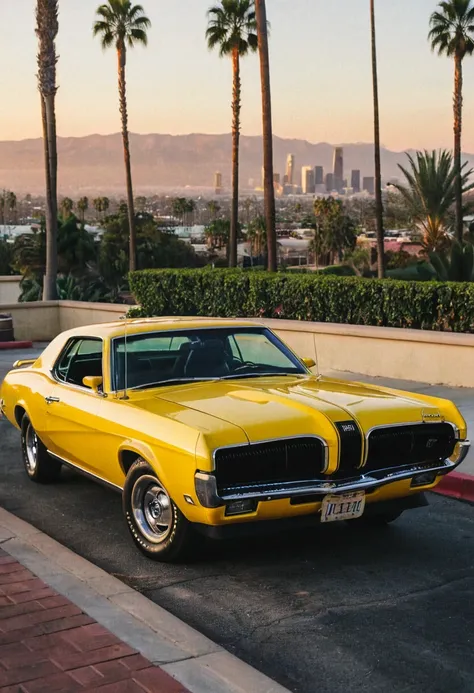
x,y
16,345
457,485
196,662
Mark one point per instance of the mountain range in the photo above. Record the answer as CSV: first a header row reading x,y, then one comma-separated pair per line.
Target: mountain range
x,y
94,164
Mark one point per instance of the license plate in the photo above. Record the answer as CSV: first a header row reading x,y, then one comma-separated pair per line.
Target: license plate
x,y
347,506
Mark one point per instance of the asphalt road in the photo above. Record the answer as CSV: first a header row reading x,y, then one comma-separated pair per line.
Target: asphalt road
x,y
334,609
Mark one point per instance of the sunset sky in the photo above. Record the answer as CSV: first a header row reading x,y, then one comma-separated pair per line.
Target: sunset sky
x,y
321,74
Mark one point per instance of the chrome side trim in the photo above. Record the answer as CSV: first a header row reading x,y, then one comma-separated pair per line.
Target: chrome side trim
x,y
83,472
275,440
206,484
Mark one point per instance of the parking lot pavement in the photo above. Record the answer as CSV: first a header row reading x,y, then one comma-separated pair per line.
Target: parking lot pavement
x,y
325,610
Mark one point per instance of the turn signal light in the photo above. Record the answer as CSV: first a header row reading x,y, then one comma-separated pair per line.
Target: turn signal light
x,y
241,507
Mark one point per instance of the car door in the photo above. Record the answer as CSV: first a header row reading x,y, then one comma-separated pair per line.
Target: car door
x,y
72,409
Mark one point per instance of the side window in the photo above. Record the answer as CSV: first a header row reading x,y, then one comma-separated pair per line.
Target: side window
x,y
81,358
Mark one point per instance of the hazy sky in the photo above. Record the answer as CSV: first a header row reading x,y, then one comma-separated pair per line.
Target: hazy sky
x,y
321,74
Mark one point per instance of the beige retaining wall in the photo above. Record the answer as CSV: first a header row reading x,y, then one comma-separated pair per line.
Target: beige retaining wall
x,y
9,289
431,357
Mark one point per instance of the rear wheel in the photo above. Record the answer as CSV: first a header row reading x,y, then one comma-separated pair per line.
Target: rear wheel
x,y
39,466
158,527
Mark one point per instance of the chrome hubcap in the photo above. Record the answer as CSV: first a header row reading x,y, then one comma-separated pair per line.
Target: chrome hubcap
x,y
152,509
31,441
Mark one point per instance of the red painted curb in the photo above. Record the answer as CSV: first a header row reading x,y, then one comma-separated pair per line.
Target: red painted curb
x,y
16,345
457,485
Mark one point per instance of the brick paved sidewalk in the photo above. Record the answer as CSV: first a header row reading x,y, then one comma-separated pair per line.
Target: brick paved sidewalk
x,y
48,645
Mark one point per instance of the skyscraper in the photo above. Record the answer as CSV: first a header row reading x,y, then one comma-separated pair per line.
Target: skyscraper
x,y
369,185
330,182
318,175
218,183
290,169
307,180
355,181
338,168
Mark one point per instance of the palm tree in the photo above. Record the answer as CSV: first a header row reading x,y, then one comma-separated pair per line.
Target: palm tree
x,y
121,24
47,27
12,204
83,206
233,29
213,208
430,194
269,189
452,34
378,172
67,206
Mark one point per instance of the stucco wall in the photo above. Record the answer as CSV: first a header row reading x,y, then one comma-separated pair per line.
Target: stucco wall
x,y
37,322
9,289
431,357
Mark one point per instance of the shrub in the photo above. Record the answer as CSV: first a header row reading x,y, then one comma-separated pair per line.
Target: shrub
x,y
353,300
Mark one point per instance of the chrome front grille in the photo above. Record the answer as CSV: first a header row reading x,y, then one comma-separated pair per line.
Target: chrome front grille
x,y
408,444
273,462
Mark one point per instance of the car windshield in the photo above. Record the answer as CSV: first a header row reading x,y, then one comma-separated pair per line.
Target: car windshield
x,y
159,358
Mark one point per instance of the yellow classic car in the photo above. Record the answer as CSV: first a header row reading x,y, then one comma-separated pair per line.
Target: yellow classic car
x,y
216,427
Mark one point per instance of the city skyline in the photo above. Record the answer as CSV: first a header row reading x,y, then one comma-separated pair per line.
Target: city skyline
x,y
317,104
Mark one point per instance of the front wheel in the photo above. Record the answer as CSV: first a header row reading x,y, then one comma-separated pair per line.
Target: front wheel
x,y
158,527
39,466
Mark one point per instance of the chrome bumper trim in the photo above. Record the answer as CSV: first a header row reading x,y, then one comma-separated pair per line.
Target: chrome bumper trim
x,y
207,493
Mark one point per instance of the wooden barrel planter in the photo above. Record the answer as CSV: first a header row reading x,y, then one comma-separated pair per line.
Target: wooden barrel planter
x,y
6,328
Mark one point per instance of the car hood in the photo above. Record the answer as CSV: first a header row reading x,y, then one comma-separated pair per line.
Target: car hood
x,y
286,406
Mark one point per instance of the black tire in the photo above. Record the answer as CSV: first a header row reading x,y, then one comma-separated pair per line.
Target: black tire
x,y
39,466
158,528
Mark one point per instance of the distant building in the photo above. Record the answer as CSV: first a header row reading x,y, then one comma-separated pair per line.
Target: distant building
x,y
276,178
307,180
339,168
368,185
330,182
290,169
355,181
318,175
218,183
285,180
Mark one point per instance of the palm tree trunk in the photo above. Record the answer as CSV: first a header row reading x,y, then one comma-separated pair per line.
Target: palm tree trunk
x,y
458,84
122,59
48,115
378,173
236,103
269,190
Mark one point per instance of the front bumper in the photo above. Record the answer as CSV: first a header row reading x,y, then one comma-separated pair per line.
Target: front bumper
x,y
209,496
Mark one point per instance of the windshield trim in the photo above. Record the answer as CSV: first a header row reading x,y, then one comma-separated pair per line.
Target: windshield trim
x,y
258,328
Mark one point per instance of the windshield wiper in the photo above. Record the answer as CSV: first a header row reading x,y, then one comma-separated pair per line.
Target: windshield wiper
x,y
171,381
261,375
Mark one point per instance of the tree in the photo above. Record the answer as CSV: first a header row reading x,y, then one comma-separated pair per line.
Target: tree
x,y
140,203
257,235
335,230
123,25
213,208
269,189
430,193
233,30
83,206
179,205
67,205
378,172
12,205
47,27
218,233
452,34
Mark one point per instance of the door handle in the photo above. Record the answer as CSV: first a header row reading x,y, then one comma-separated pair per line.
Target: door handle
x,y
50,400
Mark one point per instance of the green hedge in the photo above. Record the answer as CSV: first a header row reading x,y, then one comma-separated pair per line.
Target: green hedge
x,y
352,300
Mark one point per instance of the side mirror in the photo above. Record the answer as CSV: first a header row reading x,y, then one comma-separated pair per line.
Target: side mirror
x,y
309,363
93,382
